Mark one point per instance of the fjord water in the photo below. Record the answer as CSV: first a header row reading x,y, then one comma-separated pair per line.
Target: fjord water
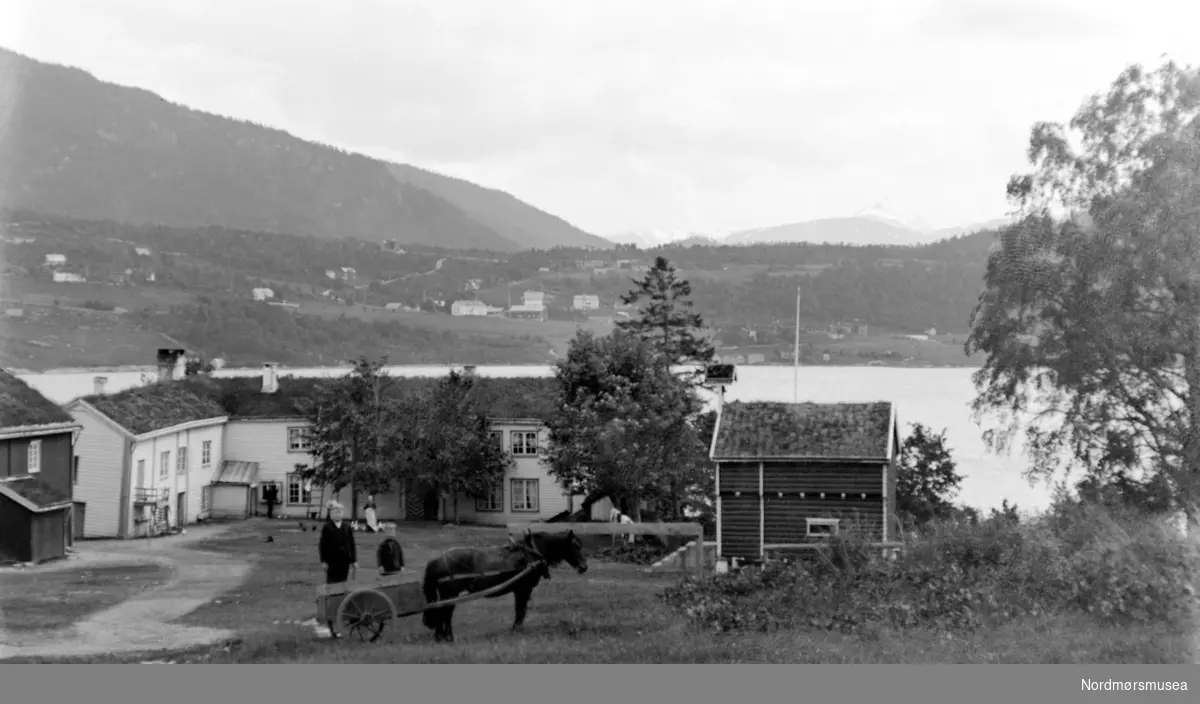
x,y
939,398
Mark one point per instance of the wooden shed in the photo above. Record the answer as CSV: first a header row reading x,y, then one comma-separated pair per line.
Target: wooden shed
x,y
791,474
231,493
37,474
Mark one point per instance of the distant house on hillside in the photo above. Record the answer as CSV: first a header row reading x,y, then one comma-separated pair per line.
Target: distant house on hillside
x,y
528,311
56,259
349,273
37,474
67,277
262,294
534,298
585,301
473,284
142,251
468,308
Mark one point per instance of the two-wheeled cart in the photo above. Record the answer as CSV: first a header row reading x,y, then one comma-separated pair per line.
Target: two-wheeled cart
x,y
367,610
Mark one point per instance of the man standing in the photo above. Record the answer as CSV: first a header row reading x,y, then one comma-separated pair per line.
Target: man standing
x,y
336,548
271,496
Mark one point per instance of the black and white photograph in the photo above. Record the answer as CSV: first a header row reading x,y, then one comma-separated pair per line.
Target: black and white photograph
x,y
601,332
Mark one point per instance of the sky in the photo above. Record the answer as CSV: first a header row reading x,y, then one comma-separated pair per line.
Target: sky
x,y
670,115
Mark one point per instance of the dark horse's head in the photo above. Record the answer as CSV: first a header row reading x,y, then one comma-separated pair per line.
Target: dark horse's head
x,y
390,556
558,548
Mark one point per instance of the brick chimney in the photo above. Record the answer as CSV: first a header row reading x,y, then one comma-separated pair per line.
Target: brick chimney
x,y
171,364
98,383
270,378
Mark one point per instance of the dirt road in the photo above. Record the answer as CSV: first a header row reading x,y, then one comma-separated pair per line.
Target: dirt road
x,y
143,622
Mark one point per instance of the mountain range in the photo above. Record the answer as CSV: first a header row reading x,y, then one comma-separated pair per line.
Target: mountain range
x,y
77,146
870,227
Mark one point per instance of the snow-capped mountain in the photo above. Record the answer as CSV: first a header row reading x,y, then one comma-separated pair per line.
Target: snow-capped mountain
x,y
647,239
886,212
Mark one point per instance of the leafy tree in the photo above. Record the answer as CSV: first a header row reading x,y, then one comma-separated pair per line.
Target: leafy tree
x,y
452,447
667,317
626,423
355,422
1090,317
928,478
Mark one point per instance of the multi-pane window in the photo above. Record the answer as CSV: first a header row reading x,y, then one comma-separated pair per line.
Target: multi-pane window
x,y
299,439
181,460
35,456
164,464
206,453
525,495
494,501
524,443
298,492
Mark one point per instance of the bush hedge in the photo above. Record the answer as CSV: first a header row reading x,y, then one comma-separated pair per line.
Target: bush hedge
x,y
1118,568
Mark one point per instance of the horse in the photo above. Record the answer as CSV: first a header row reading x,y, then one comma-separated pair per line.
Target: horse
x,y
461,570
389,556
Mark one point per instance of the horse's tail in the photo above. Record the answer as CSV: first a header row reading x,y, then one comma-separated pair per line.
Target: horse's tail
x,y
429,586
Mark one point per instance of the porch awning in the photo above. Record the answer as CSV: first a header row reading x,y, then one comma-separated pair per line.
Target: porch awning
x,y
237,472
34,494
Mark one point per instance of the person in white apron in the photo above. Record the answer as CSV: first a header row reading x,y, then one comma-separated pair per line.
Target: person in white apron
x,y
372,523
615,516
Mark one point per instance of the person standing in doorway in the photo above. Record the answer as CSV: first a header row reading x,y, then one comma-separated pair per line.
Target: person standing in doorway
x,y
338,553
271,496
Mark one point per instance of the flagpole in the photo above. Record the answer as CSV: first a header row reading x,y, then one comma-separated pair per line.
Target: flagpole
x,y
796,354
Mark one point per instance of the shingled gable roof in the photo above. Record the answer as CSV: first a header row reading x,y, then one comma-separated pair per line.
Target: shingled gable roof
x,y
145,409
804,431
22,406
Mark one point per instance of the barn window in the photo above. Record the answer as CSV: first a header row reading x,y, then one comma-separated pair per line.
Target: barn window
x,y
524,443
494,501
822,526
35,456
525,495
299,439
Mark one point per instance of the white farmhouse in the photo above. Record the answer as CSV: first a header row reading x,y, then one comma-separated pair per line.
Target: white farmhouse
x,y
586,301
468,308
168,455
262,294
56,259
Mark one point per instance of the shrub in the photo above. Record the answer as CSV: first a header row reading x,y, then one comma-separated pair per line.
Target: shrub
x,y
963,576
640,553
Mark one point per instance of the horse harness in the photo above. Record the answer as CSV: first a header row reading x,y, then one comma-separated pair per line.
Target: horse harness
x,y
534,559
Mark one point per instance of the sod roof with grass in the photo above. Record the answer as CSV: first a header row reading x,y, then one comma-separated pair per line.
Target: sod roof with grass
x,y
145,409
37,492
761,430
242,397
22,405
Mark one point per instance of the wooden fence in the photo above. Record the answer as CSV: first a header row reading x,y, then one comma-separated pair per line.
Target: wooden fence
x,y
694,531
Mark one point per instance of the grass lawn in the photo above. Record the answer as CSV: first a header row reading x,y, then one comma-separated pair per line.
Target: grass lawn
x,y
46,601
609,615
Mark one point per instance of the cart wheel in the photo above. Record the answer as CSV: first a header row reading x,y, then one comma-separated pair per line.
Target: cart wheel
x,y
367,613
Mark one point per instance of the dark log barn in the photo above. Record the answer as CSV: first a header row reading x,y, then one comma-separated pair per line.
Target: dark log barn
x,y
37,474
791,474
